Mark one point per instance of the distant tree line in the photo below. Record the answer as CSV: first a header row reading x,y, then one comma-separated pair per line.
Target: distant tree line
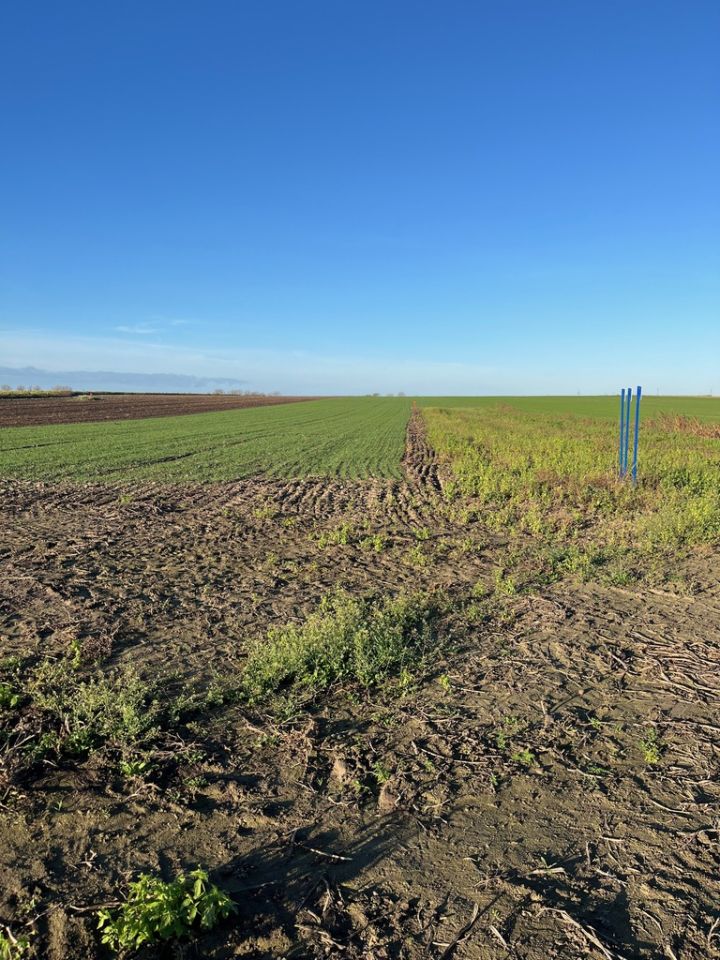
x,y
34,390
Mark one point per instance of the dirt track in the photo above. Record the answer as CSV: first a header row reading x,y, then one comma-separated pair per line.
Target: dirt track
x,y
517,815
85,408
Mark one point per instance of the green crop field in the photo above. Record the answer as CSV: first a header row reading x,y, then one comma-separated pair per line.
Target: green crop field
x,y
350,437
702,408
347,437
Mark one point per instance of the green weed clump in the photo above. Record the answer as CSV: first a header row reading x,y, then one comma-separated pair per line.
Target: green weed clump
x,y
345,640
51,710
13,948
85,712
9,697
651,748
375,543
339,536
156,910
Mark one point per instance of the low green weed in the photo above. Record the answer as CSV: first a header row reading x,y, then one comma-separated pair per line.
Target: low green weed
x,y
406,682
13,948
509,727
505,585
155,911
83,713
51,710
375,543
524,757
346,639
9,697
340,536
414,557
134,767
651,747
381,773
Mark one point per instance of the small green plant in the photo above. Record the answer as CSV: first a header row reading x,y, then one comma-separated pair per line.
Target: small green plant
x,y
193,784
651,747
405,682
358,787
414,557
524,757
340,536
77,652
468,545
509,727
381,773
9,699
445,682
422,533
134,767
156,910
12,948
597,771
375,543
505,585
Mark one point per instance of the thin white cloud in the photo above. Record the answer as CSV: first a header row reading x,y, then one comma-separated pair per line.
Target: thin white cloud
x,y
137,330
164,321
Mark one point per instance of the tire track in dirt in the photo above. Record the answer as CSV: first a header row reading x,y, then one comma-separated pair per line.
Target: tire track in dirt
x,y
420,462
153,563
417,499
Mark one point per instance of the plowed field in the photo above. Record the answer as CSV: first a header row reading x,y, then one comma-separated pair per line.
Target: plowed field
x,y
86,408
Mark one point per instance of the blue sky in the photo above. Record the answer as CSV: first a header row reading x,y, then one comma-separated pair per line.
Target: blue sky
x,y
335,196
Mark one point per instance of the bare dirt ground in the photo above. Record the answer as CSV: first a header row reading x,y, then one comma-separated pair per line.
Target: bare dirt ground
x,y
85,408
548,788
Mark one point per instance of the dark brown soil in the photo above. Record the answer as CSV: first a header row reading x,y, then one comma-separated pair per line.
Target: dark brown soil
x,y
504,804
84,408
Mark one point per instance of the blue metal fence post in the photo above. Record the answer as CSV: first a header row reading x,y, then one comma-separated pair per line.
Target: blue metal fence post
x,y
637,434
622,424
626,457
